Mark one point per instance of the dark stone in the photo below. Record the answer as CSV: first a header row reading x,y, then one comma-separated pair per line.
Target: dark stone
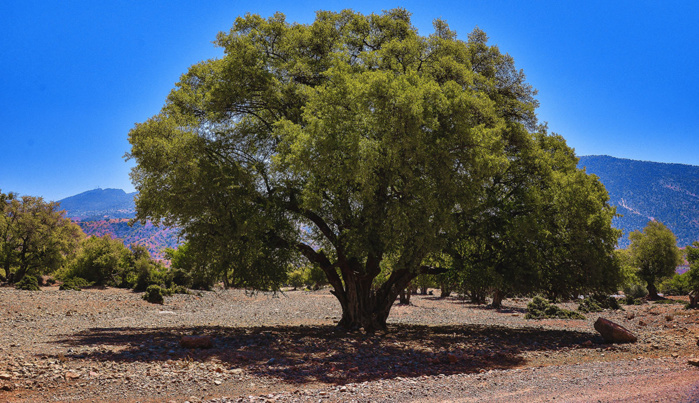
x,y
613,333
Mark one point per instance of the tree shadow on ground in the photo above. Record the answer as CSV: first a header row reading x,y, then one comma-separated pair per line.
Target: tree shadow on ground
x,y
302,354
473,305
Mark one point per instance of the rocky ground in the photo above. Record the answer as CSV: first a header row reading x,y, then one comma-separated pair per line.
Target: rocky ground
x,y
110,345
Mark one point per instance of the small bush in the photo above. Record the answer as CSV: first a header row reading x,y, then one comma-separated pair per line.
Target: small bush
x,y
28,283
181,278
154,294
540,308
178,289
678,284
75,284
630,300
598,303
635,291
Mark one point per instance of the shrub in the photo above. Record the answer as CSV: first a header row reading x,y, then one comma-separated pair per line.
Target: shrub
x,y
74,283
635,291
28,283
630,300
589,305
154,294
541,308
178,289
598,303
678,284
180,277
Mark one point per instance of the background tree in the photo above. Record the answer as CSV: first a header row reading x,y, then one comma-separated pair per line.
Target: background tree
x,y
693,274
654,251
37,238
350,141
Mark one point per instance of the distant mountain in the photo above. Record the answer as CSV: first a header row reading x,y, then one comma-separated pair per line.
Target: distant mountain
x,y
643,191
100,204
102,212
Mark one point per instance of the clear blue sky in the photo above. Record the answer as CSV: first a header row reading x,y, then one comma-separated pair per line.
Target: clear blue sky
x,y
614,77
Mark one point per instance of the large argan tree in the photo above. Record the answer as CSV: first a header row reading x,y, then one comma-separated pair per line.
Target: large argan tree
x,y
353,141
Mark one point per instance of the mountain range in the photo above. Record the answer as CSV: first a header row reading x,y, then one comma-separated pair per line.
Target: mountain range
x,y
102,212
642,191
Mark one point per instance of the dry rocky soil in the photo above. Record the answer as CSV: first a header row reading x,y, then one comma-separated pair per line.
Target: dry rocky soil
x,y
111,345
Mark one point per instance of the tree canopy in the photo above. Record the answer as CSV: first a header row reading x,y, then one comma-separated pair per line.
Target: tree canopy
x,y
365,147
655,253
35,236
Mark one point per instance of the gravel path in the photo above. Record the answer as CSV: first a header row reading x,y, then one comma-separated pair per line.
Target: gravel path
x,y
110,345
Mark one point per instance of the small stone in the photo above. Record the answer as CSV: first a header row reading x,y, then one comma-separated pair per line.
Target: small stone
x,y
693,361
71,375
217,382
5,376
237,371
675,355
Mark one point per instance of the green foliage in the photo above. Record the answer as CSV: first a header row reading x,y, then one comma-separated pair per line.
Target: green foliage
x,y
190,268
541,308
631,300
35,236
102,261
74,283
654,251
307,276
635,291
598,303
154,294
678,284
28,283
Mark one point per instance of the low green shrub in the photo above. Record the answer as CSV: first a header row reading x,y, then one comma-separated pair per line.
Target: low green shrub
x,y
635,290
598,303
74,283
630,300
28,283
541,308
154,294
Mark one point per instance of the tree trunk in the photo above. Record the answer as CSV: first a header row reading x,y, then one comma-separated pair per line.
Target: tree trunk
x,y
404,296
364,307
652,291
423,290
226,283
498,296
445,290
694,299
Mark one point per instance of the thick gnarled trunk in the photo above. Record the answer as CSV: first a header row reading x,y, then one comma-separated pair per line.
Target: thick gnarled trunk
x,y
364,306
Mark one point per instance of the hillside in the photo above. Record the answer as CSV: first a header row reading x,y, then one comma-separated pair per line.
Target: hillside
x,y
100,204
643,191
107,211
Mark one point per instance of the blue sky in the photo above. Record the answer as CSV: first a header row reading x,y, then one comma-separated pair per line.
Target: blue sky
x,y
614,77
